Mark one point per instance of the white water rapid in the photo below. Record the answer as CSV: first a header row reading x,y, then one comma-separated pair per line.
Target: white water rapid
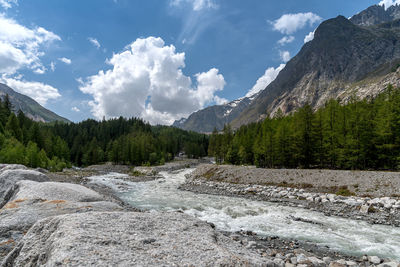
x,y
233,214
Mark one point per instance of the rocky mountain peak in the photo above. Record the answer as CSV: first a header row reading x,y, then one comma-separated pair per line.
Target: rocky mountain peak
x,y
376,15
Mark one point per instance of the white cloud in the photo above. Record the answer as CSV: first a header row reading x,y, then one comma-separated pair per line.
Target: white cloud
x,y
285,56
94,42
6,4
197,5
290,23
147,80
76,109
39,91
286,40
389,3
220,101
309,37
268,77
20,46
53,66
65,60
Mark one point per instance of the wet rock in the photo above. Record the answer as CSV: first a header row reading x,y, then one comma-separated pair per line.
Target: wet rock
x,y
115,238
317,262
327,260
374,259
389,264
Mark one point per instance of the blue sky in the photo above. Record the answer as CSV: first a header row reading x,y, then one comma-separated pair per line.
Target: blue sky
x,y
156,59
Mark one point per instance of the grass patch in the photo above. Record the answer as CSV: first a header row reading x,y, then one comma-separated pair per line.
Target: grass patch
x,y
344,191
137,173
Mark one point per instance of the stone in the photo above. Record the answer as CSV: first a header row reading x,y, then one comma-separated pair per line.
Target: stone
x,y
116,238
336,264
341,261
389,264
374,259
55,191
317,262
279,262
287,264
9,178
364,208
351,263
293,260
327,260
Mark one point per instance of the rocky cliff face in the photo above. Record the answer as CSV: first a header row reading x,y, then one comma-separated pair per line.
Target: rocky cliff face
x,y
356,57
30,107
376,15
342,61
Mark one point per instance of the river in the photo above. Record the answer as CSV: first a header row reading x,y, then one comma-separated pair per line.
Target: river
x,y
264,218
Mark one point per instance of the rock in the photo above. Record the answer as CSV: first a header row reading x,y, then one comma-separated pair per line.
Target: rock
x,y
279,262
374,259
351,263
9,178
34,201
327,260
293,260
336,264
364,208
116,238
287,264
56,191
341,261
389,264
13,167
317,262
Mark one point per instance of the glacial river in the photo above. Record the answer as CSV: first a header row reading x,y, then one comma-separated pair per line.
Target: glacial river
x,y
233,214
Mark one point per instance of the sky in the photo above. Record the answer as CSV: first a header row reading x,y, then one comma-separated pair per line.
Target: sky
x,y
159,60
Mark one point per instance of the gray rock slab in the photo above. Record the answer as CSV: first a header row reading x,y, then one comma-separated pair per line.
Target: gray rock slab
x,y
9,178
55,191
16,217
128,239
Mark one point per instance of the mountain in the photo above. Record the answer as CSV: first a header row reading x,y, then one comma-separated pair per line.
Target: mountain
x,y
375,15
343,60
356,57
30,107
217,116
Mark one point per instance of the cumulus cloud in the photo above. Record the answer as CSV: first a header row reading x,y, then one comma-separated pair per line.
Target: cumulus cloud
x,y
389,3
53,66
290,23
285,56
76,109
147,80
268,77
197,5
286,40
65,60
39,91
6,4
20,46
94,42
309,37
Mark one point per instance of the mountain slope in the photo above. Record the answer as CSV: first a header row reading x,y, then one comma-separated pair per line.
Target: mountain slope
x,y
207,119
341,57
30,107
375,15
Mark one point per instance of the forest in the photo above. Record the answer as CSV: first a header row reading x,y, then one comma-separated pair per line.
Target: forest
x,y
55,146
360,135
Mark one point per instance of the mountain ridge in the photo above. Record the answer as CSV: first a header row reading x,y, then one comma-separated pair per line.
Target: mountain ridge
x,y
30,107
347,58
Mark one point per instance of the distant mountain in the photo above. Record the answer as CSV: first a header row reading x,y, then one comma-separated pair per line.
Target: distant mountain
x,y
30,107
207,119
356,57
375,15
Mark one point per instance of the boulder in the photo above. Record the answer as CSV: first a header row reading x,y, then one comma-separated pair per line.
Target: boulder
x,y
55,191
33,201
128,239
9,178
5,167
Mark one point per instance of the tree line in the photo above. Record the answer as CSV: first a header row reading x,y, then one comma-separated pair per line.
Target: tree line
x,y
55,146
362,134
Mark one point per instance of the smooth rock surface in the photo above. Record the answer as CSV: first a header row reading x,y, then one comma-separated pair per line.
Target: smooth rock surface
x,y
128,239
9,178
55,191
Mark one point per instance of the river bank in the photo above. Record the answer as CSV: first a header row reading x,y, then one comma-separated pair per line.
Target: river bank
x,y
42,222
